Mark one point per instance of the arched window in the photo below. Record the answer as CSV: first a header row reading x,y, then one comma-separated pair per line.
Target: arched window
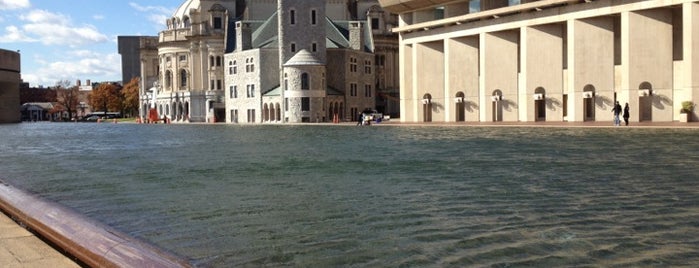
x,y
304,81
183,78
168,79
187,23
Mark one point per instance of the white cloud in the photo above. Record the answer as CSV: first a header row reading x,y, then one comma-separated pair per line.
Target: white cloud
x,y
14,34
57,29
83,64
98,17
14,4
154,14
157,9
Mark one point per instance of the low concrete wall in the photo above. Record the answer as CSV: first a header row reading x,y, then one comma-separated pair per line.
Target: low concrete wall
x,y
92,243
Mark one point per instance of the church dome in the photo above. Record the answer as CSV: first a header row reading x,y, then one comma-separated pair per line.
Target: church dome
x,y
183,10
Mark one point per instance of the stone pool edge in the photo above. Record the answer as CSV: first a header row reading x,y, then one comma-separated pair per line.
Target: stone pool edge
x,y
89,241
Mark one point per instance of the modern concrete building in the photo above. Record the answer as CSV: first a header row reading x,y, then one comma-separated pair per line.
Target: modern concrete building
x,y
549,60
194,80
10,79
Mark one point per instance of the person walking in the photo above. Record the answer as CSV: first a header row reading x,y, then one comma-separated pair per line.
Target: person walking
x,y
626,114
617,111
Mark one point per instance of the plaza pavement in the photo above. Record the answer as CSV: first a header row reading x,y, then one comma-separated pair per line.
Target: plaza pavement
x,y
21,248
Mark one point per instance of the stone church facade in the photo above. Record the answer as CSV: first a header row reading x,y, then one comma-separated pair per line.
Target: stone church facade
x,y
269,61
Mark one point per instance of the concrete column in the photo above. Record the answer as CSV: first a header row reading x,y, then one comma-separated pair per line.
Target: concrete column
x,y
542,67
408,104
647,58
463,75
500,70
430,64
591,67
689,90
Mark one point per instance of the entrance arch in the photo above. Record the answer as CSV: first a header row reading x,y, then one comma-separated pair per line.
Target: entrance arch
x,y
497,105
589,103
427,108
460,107
539,104
645,102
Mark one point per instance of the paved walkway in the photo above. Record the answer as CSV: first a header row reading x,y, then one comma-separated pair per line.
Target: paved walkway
x,y
21,248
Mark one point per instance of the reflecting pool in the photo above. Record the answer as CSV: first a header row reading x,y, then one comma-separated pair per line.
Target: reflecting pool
x,y
380,196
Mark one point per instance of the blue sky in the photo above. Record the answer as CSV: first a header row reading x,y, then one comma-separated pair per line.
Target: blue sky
x,y
76,39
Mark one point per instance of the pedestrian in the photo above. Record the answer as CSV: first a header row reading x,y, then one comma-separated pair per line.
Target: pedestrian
x,y
626,114
617,111
360,119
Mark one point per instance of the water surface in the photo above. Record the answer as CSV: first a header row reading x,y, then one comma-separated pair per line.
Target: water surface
x,y
319,196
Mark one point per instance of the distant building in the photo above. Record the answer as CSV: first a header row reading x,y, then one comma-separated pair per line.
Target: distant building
x,y
213,50
10,79
553,61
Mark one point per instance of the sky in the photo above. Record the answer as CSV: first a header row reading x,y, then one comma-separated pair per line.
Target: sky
x,y
76,39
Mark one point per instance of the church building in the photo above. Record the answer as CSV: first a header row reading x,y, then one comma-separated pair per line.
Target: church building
x,y
269,61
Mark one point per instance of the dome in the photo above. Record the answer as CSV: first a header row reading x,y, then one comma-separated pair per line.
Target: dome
x,y
303,57
183,10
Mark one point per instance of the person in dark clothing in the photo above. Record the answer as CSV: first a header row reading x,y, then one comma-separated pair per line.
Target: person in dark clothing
x,y
617,111
626,114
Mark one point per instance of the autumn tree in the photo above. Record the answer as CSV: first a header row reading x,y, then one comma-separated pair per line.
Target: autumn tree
x,y
106,97
67,97
130,96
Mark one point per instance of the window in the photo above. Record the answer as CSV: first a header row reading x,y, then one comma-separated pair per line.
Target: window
x,y
293,47
235,67
251,91
367,91
249,65
251,115
183,57
353,89
367,67
314,47
304,81
168,79
292,17
183,78
286,104
218,23
219,61
211,61
353,65
305,104
211,87
374,23
219,84
230,67
313,17
234,116
233,92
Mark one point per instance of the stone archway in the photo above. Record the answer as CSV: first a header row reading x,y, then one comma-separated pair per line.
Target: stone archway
x,y
427,108
497,108
588,103
540,104
460,115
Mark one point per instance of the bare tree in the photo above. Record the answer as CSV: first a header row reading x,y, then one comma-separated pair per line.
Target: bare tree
x,y
67,97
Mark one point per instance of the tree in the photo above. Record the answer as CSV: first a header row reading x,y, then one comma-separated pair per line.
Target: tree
x,y
106,98
130,96
67,97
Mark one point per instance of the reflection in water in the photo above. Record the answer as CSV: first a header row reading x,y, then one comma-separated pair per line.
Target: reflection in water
x,y
380,196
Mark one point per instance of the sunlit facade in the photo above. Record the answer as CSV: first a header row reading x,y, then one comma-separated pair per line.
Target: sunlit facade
x,y
553,60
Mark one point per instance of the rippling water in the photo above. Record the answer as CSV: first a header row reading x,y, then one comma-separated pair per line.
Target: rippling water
x,y
321,196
